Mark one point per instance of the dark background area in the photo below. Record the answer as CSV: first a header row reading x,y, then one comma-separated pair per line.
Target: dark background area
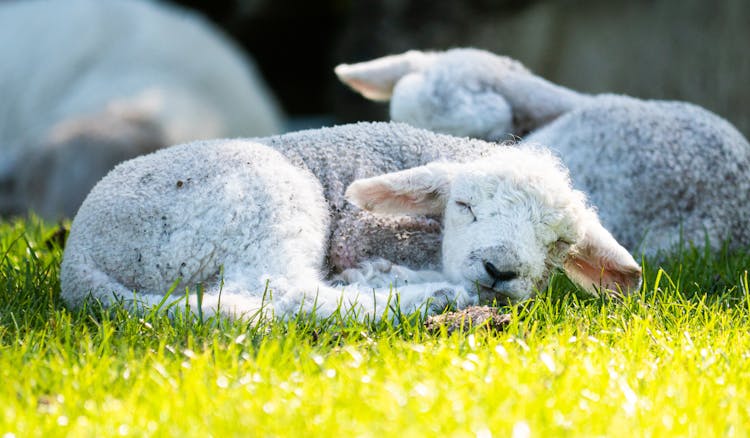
x,y
292,41
693,50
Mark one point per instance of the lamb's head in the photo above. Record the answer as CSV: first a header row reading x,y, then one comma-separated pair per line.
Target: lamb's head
x,y
459,91
509,220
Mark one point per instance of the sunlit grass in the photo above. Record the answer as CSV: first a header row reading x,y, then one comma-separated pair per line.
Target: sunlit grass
x,y
670,360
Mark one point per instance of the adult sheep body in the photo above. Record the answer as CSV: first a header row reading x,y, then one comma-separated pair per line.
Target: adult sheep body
x,y
241,212
659,172
89,83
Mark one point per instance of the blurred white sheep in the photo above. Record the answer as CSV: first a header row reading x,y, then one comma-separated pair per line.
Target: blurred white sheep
x,y
86,84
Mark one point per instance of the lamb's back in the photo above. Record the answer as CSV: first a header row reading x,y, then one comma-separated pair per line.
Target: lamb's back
x,y
650,165
338,155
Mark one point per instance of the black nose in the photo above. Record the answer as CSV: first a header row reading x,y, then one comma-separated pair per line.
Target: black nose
x,y
497,274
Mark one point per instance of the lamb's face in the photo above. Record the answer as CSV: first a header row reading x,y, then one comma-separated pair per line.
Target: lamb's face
x,y
453,92
501,239
509,220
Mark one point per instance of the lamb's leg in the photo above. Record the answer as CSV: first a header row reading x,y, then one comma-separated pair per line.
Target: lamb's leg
x,y
283,297
82,279
364,301
431,297
383,273
360,301
416,290
231,304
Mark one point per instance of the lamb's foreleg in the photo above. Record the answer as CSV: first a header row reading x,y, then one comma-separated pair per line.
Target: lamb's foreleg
x,y
415,289
383,273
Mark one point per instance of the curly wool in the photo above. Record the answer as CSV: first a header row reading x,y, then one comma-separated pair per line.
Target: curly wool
x,y
239,218
337,156
237,210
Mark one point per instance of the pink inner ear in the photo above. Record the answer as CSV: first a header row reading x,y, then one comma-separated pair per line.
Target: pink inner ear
x,y
362,86
369,89
607,275
380,197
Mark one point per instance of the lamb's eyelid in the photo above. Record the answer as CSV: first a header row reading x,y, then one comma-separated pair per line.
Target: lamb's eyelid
x,y
467,206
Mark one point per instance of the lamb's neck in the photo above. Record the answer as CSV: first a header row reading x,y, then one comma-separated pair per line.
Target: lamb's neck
x,y
536,101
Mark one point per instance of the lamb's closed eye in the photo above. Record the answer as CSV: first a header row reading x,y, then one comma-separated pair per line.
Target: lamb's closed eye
x,y
466,207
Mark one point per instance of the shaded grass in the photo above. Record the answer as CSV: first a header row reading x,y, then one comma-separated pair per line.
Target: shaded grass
x,y
671,359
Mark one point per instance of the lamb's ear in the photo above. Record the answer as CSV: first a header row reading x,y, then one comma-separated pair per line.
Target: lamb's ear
x,y
421,190
599,263
375,79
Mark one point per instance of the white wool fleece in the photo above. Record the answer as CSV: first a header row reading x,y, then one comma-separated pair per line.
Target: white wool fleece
x,y
232,217
250,226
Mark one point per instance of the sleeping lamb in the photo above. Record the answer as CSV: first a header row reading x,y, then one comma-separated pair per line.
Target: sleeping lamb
x,y
86,84
659,172
258,230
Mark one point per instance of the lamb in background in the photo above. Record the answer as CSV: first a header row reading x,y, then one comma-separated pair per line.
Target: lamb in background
x,y
86,84
241,212
659,172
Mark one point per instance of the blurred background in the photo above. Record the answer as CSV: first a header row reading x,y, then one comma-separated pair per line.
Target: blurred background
x,y
87,84
692,50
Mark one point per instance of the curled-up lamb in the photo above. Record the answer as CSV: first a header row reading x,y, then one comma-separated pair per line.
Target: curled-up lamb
x,y
659,172
86,84
237,217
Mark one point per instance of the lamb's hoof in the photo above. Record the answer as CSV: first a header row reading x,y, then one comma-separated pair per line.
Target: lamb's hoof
x,y
470,317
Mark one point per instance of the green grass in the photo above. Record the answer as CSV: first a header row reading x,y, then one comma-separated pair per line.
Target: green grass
x,y
670,360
